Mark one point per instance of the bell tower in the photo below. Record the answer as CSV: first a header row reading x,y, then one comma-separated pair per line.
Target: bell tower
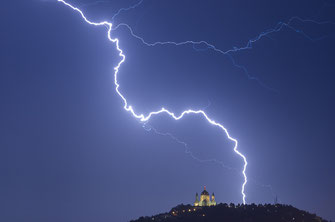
x,y
196,203
213,200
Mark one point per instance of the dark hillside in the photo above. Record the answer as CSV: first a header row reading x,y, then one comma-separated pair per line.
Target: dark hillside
x,y
234,213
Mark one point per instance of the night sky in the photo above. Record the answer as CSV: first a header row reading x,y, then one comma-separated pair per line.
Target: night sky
x,y
70,152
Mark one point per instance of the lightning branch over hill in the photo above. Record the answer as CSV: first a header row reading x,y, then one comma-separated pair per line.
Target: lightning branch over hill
x,y
144,118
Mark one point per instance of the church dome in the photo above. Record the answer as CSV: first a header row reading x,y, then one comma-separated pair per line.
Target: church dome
x,y
205,193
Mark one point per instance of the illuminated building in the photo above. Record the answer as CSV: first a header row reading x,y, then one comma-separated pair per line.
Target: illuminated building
x,y
205,199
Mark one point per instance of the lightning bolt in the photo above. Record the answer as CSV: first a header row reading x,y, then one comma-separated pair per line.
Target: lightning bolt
x,y
145,118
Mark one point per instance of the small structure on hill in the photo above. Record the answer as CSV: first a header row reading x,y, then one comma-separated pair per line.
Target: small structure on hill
x,y
205,199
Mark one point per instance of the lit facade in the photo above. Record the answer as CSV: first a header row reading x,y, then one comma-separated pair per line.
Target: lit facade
x,y
205,199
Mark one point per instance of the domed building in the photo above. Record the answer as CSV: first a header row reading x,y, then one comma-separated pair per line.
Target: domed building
x,y
205,199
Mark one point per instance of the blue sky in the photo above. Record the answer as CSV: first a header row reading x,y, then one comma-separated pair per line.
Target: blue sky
x,y
69,151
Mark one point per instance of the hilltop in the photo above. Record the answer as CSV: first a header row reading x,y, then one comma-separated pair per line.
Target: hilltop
x,y
234,213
